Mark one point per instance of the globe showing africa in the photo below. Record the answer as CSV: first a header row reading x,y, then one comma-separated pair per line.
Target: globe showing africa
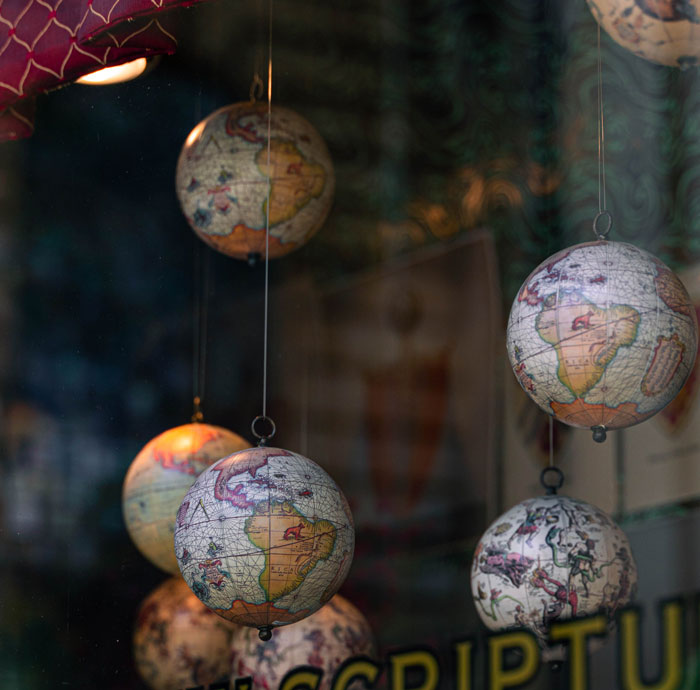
x,y
179,642
222,180
602,335
158,479
550,559
264,537
325,640
662,31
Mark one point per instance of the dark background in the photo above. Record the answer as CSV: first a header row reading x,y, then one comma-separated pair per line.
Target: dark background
x,y
441,116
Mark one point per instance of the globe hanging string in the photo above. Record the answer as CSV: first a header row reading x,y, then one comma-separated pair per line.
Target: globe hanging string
x,y
264,537
602,335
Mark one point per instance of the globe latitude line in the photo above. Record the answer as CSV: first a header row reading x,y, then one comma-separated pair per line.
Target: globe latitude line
x,y
272,548
544,350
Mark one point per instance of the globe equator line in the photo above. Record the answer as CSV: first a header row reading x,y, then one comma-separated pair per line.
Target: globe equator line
x,y
257,552
548,348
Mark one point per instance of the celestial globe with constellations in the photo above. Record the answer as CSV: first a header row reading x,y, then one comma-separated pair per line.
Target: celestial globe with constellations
x,y
222,180
179,642
264,538
326,639
602,335
550,559
662,31
158,479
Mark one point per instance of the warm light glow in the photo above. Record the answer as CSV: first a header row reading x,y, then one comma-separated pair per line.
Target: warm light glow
x,y
116,74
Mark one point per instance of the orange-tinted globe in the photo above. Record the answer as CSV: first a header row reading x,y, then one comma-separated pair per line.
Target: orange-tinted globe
x,y
160,476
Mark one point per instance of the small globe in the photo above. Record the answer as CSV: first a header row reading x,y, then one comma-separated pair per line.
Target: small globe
x,y
222,180
602,335
179,642
551,559
264,537
662,31
158,479
326,639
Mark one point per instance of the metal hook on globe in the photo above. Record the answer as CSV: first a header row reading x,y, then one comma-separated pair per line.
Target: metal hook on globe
x,y
602,232
552,487
263,428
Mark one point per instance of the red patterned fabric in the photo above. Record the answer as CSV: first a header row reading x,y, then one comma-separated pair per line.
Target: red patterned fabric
x,y
45,44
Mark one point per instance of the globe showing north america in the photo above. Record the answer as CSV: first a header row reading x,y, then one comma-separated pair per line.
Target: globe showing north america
x,y
223,180
158,479
602,334
264,537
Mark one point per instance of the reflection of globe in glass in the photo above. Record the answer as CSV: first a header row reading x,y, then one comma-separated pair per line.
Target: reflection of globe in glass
x,y
549,559
222,180
264,537
602,334
158,479
178,642
326,639
663,31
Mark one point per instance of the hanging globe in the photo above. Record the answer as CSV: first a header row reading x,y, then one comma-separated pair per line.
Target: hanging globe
x,y
222,180
602,335
158,479
551,559
326,639
662,31
264,538
179,642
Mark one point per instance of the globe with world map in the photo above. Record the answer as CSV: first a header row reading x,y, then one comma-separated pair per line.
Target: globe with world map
x,y
179,642
264,537
326,639
158,479
602,335
662,31
223,180
550,559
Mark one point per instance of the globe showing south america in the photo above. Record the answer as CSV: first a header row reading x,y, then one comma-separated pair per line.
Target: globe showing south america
x,y
264,537
602,334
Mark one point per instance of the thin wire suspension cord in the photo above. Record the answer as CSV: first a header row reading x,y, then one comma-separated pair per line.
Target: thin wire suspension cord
x,y
602,202
551,441
200,323
267,206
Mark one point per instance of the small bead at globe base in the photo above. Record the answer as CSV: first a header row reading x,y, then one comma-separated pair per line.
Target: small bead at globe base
x,y
265,633
599,434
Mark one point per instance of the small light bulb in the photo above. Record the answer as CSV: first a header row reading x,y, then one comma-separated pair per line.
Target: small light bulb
x,y
116,74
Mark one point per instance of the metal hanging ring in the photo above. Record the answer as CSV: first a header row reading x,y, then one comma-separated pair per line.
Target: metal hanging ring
x,y
602,233
259,430
551,488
